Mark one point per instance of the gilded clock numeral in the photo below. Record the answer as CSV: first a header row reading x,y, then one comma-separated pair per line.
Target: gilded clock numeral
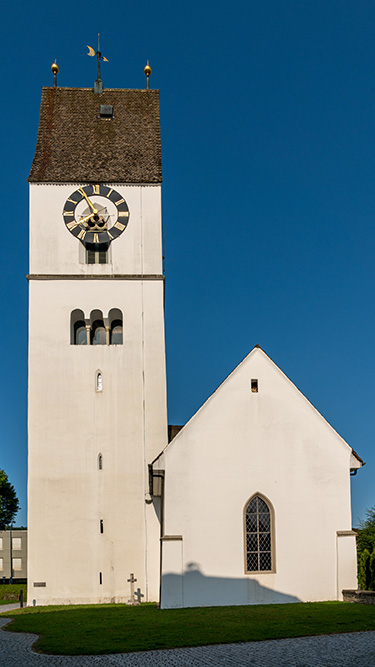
x,y
72,225
119,226
96,209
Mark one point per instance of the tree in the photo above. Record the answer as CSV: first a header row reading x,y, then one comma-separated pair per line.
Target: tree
x,y
9,504
366,532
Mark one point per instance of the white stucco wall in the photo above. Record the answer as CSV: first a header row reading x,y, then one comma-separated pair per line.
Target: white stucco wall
x,y
239,443
53,249
70,423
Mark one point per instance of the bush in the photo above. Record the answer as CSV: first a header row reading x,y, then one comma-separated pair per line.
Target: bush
x,y
372,571
364,574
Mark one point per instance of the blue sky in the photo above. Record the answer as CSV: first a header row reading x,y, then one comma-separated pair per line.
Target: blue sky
x,y
268,138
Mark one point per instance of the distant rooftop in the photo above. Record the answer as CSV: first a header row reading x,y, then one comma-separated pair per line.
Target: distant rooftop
x,y
76,144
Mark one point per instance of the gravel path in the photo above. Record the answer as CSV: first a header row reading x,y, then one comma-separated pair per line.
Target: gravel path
x,y
353,649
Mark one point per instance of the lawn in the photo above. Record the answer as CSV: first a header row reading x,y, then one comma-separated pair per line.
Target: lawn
x,y
100,629
12,589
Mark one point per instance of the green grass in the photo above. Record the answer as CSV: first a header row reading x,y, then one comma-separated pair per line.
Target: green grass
x,y
6,589
100,629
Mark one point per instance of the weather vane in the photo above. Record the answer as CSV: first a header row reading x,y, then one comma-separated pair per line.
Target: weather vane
x,y
98,85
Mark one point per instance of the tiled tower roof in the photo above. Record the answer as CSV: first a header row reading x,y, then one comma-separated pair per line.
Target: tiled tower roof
x,y
76,144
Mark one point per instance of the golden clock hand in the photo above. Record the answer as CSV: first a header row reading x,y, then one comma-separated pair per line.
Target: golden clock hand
x,y
87,217
89,203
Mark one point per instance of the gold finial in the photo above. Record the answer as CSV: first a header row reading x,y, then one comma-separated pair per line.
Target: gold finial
x,y
55,71
148,71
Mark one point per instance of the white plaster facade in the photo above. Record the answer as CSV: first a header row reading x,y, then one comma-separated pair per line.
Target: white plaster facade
x,y
240,443
70,423
90,526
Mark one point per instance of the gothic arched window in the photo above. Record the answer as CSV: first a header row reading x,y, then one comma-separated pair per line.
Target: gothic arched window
x,y
259,540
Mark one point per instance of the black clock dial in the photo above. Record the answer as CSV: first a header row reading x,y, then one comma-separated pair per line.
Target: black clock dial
x,y
96,214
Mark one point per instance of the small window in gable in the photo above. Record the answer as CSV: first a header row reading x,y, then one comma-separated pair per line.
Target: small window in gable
x,y
254,386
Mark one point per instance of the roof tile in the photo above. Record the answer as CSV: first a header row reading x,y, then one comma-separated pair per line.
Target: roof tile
x,y
75,144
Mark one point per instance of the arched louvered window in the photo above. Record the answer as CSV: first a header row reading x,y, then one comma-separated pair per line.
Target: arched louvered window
x,y
116,332
115,323
259,540
98,333
78,334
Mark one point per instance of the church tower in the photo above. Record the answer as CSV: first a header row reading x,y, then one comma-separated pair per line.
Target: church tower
x,y
97,387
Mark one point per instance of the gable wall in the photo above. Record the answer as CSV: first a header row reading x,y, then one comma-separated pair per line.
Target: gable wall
x,y
239,443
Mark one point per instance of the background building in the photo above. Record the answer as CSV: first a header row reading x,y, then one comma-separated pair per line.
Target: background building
x,y
13,544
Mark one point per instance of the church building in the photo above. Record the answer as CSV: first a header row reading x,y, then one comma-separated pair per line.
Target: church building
x,y
250,501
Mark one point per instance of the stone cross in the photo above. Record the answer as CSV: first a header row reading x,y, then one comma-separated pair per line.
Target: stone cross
x,y
132,582
138,595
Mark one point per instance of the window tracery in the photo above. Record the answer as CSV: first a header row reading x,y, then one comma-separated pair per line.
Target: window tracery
x,y
259,539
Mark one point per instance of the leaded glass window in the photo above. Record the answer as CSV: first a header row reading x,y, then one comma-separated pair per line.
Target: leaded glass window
x,y
258,528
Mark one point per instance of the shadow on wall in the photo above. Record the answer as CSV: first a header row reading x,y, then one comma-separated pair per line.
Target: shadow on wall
x,y
194,589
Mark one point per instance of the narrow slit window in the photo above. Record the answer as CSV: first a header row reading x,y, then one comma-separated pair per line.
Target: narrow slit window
x,y
254,386
100,578
99,381
101,526
100,462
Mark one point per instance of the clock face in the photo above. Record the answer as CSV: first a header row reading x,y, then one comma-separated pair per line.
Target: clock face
x,y
96,214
